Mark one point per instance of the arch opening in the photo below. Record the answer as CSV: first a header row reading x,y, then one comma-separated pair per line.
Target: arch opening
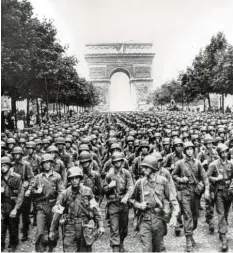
x,y
120,92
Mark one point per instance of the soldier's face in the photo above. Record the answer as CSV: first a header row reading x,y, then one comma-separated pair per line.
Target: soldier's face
x,y
30,151
38,147
4,168
45,146
166,146
60,146
68,144
10,146
147,171
86,164
75,181
224,154
53,154
94,141
209,145
16,156
22,145
130,143
118,164
179,148
195,143
189,151
144,150
47,166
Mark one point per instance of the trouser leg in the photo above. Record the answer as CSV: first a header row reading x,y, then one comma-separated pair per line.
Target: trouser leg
x,y
41,241
187,213
4,226
146,236
114,229
222,223
25,210
71,238
209,204
14,231
195,209
123,222
158,229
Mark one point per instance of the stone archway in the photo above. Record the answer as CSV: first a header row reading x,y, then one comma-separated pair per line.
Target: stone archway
x,y
133,59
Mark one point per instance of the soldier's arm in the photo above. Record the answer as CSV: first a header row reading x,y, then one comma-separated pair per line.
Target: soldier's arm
x,y
176,173
126,164
203,176
100,192
63,173
210,173
30,176
106,183
96,210
167,162
129,186
20,196
69,161
60,187
134,167
135,198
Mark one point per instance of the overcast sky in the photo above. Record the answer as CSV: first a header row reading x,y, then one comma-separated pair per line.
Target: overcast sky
x,y
177,28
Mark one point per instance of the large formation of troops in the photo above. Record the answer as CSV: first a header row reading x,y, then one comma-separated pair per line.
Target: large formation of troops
x,y
159,164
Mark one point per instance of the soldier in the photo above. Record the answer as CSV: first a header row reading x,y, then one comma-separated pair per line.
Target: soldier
x,y
10,144
46,190
70,150
118,187
129,150
166,147
58,165
22,144
39,150
24,169
34,160
152,197
91,178
136,167
207,156
220,174
62,154
78,207
191,179
12,194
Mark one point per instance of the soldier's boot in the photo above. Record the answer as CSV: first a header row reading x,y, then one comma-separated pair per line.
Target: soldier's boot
x,y
115,248
162,248
193,241
189,247
121,248
177,231
211,227
224,243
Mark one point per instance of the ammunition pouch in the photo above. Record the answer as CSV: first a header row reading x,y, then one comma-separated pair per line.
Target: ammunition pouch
x,y
200,188
90,232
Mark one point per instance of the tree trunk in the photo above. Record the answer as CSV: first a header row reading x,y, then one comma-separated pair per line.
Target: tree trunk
x,y
59,110
28,115
53,107
13,109
37,112
41,108
223,102
47,97
204,104
209,102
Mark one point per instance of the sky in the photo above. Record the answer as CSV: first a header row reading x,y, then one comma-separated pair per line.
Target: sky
x,y
178,29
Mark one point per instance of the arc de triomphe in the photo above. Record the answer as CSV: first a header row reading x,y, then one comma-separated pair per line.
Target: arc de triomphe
x,y
134,59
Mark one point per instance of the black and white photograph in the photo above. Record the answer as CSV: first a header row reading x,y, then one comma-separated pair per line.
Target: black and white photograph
x,y
117,126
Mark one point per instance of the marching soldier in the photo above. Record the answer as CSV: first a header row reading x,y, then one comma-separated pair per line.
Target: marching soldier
x,y
118,187
46,190
152,197
220,174
79,209
12,195
191,180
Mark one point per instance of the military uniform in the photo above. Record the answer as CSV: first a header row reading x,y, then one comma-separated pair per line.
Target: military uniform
x,y
59,167
152,220
12,195
118,212
75,216
53,187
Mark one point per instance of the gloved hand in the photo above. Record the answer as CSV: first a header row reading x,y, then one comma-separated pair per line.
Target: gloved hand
x,y
13,213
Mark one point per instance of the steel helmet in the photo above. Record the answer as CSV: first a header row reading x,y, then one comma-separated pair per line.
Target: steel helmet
x,y
45,141
3,144
67,139
22,140
75,172
10,141
38,141
46,158
85,156
52,148
208,139
116,146
83,147
221,148
150,161
188,144
17,150
129,138
166,141
30,144
194,137
174,133
143,144
157,135
6,160
60,140
221,130
177,141
157,155
136,143
218,138
117,156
